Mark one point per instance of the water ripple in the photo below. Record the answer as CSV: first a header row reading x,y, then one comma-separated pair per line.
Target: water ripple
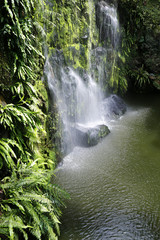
x,y
114,186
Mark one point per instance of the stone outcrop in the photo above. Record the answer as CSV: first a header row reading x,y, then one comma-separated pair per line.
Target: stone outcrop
x,y
87,137
2,101
114,107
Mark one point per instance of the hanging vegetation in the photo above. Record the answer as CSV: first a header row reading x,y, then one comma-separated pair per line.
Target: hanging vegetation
x,y
29,202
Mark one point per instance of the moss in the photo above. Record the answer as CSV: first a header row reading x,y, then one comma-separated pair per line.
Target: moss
x,y
113,83
5,74
75,32
43,95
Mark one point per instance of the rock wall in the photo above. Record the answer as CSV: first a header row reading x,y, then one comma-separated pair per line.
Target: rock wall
x,y
80,37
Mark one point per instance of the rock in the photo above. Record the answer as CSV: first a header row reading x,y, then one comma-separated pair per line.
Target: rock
x,y
152,76
114,106
107,23
99,51
87,137
2,101
3,131
156,83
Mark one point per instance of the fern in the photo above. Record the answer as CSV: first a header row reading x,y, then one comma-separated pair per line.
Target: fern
x,y
30,205
9,10
141,77
30,200
22,125
7,154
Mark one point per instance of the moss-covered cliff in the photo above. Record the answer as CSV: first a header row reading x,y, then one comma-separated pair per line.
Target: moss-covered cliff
x,y
80,37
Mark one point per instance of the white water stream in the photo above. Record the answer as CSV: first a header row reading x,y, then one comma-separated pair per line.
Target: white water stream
x,y
80,99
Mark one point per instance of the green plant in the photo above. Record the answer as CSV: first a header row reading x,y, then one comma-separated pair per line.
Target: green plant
x,y
17,32
29,202
140,34
141,77
21,124
30,205
7,154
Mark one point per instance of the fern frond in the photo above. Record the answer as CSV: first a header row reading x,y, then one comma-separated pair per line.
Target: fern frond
x,y
11,232
55,221
7,154
9,10
36,231
48,228
32,212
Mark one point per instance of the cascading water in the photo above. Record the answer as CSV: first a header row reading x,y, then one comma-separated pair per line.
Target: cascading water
x,y
78,94
108,24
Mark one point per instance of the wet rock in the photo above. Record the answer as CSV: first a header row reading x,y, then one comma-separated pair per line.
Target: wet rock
x,y
99,51
107,23
152,76
57,57
112,2
114,106
87,137
2,101
3,131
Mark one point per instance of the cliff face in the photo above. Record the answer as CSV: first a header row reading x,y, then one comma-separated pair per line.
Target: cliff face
x,y
82,32
78,29
74,31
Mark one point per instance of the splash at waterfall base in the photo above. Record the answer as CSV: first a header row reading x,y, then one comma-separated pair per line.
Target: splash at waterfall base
x,y
87,137
113,108
84,110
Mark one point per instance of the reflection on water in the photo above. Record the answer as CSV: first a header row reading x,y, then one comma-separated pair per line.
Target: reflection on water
x,y
115,186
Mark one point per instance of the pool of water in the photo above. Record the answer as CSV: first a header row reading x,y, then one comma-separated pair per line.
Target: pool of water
x,y
115,186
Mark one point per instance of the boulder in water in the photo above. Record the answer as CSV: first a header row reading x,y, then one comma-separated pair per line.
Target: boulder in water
x,y
114,106
87,137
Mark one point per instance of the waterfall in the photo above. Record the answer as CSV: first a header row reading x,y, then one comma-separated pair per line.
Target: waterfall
x,y
79,94
108,24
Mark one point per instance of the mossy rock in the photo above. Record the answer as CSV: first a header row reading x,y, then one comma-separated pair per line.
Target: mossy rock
x,y
5,75
2,101
156,82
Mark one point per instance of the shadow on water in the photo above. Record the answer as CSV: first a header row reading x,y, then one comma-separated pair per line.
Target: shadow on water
x,y
152,124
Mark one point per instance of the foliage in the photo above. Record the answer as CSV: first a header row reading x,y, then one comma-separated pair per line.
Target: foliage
x,y
30,204
72,31
157,82
140,41
122,81
7,155
142,77
18,36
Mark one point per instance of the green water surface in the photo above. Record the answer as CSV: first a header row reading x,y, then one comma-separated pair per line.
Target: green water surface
x,y
115,186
